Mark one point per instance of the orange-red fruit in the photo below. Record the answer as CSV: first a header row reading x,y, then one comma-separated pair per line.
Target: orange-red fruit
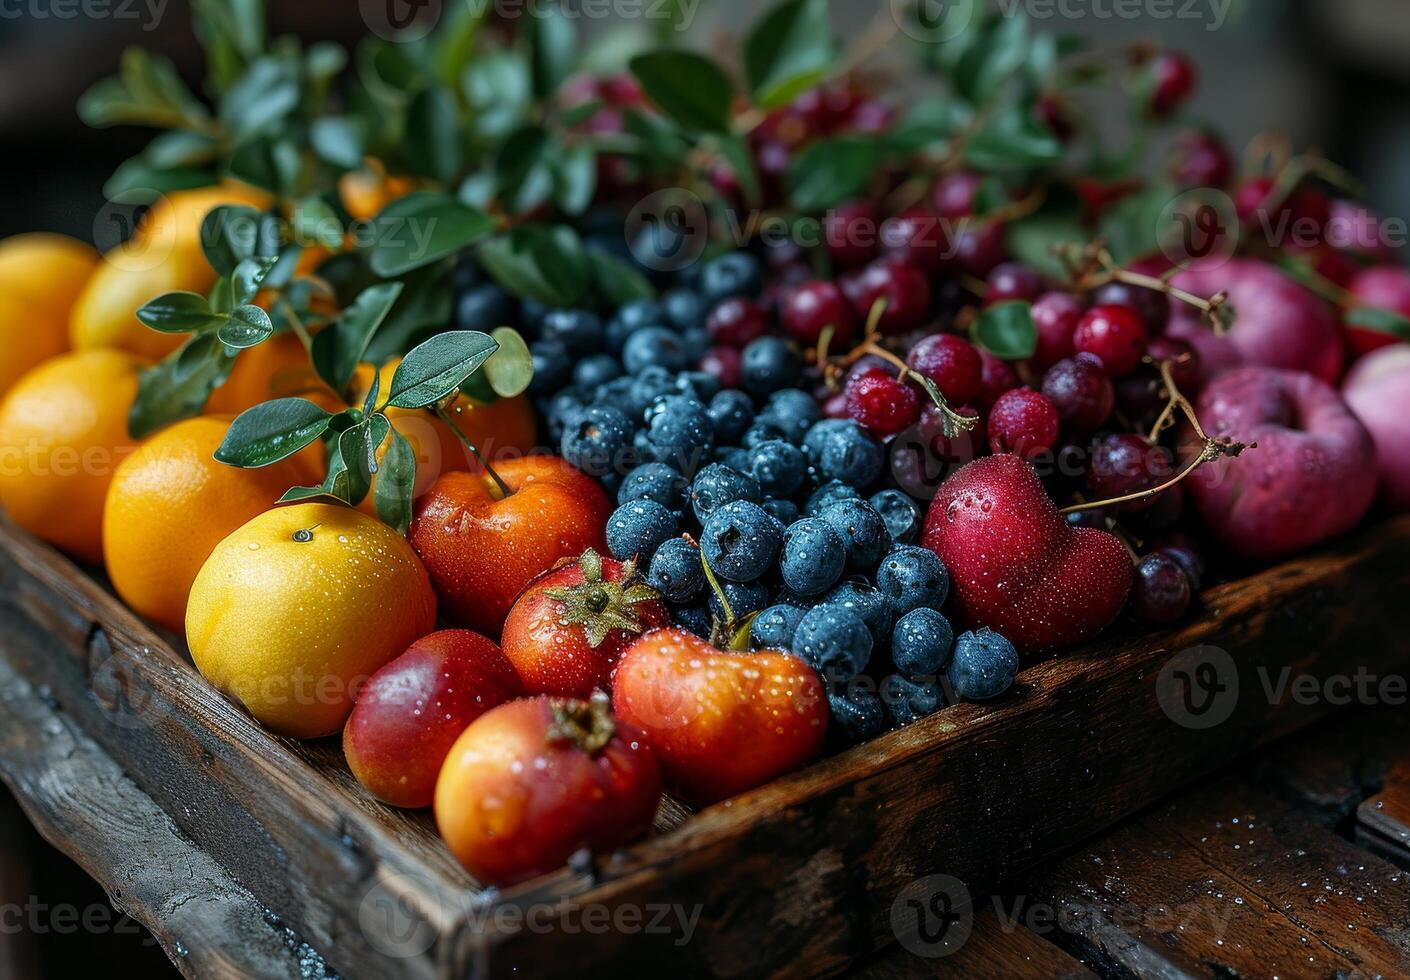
x,y
482,549
719,722
410,712
527,785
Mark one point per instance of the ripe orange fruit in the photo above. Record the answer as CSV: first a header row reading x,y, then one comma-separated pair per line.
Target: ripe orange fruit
x,y
296,609
170,504
277,368
105,314
40,276
63,431
174,221
366,192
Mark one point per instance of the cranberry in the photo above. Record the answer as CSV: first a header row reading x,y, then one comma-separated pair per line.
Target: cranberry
x,y
1023,422
835,407
1055,316
825,108
773,159
1013,280
1052,113
850,233
905,289
1151,304
866,363
1125,463
916,236
1200,159
1161,592
621,90
953,195
979,247
1184,361
1182,548
736,321
872,116
882,402
1113,333
1173,79
952,363
1080,391
922,464
1162,515
997,377
811,306
724,364
1300,219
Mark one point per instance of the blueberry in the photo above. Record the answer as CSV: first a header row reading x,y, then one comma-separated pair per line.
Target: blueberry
x,y
684,309
854,717
679,431
695,619
907,700
716,485
532,312
552,365
466,274
638,528
778,466
731,412
744,598
676,571
595,439
654,481
817,435
773,628
851,454
654,347
786,511
703,386
484,307
581,331
740,541
983,665
828,494
629,319
617,393
651,384
901,514
861,597
596,370
814,556
696,343
733,457
734,274
792,410
862,529
761,432
911,577
921,642
834,640
561,409
768,364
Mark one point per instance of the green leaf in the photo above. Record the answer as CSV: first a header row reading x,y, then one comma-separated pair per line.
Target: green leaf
x,y
147,92
1006,330
422,228
248,277
339,140
247,326
433,144
575,179
522,171
928,122
540,263
553,47
272,431
137,181
179,148
335,487
1000,51
427,304
179,387
1031,239
618,281
498,87
510,369
180,312
395,481
831,171
338,348
434,369
258,102
316,223
358,448
789,50
454,43
230,234
1131,226
736,152
687,87
1379,320
1013,139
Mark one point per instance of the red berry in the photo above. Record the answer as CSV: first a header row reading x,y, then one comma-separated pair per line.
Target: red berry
x,y
998,377
952,363
836,406
1152,305
1053,114
1113,333
872,116
1023,422
1185,361
1080,391
736,321
1200,159
881,402
826,108
1125,463
916,236
1012,280
905,289
621,90
810,307
979,247
724,364
1173,80
1055,316
850,233
953,194
1161,592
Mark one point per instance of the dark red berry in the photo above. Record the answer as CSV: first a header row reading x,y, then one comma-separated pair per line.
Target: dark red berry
x,y
1161,592
921,464
872,116
621,90
1055,317
1182,548
1125,463
905,289
1162,515
1184,361
835,407
1113,333
979,247
1200,159
1173,79
811,306
916,236
850,233
882,402
1298,219
953,194
1080,391
1151,304
1023,422
724,364
952,363
996,378
825,108
1012,280
1052,113
736,321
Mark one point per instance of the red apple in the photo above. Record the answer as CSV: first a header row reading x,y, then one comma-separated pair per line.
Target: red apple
x,y
1378,391
1385,287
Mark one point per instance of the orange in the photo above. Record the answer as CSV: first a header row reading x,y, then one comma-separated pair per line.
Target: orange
x,y
295,610
63,431
130,275
40,277
277,368
174,221
367,192
170,504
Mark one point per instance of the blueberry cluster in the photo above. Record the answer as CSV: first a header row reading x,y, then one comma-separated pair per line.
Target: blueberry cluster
x,y
788,509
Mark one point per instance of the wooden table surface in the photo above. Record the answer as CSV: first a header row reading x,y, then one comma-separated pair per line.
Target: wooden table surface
x,y
1292,863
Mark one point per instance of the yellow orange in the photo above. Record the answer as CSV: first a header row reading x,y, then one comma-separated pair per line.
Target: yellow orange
x,y
129,276
296,609
366,192
40,278
63,432
170,504
174,221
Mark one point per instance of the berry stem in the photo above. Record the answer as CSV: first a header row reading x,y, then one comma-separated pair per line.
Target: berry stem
x,y
445,417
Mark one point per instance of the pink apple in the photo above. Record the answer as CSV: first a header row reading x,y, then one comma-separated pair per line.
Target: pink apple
x,y
1312,476
1378,391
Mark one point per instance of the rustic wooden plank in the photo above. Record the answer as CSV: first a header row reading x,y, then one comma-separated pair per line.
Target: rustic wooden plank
x,y
1230,882
995,947
83,804
1383,820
